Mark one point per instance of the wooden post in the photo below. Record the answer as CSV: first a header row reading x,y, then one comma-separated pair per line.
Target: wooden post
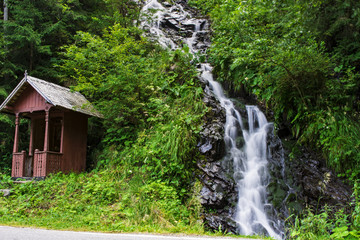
x,y
62,135
46,139
16,138
37,164
31,137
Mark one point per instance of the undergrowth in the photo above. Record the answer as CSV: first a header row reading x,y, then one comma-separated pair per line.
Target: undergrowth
x,y
328,224
100,201
145,167
297,60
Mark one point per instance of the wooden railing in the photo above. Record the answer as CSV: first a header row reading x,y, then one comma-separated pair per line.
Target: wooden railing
x,y
46,162
18,164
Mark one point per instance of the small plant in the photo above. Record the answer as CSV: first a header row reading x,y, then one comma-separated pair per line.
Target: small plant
x,y
328,225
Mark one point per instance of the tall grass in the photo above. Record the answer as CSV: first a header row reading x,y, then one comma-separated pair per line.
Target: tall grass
x,y
99,201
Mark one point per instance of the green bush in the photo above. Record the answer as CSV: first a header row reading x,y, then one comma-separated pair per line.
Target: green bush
x,y
288,55
150,99
99,201
327,224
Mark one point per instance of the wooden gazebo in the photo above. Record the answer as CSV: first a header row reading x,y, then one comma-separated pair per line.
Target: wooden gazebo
x,y
58,134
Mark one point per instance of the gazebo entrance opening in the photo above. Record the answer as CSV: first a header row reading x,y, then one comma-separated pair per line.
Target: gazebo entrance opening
x,y
44,154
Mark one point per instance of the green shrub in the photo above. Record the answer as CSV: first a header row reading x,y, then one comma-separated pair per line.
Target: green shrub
x,y
327,224
290,57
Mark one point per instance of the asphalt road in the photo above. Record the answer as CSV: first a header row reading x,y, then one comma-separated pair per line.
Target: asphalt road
x,y
16,233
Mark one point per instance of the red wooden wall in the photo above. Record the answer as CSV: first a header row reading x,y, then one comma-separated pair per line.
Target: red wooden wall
x,y
30,101
75,142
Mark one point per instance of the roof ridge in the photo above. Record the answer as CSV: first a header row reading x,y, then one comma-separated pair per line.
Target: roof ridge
x,y
53,84
56,95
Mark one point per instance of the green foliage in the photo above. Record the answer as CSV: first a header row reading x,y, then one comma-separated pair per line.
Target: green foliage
x,y
6,135
159,195
100,201
289,56
337,24
321,226
327,225
355,216
311,227
106,71
2,62
152,107
205,5
339,136
36,30
151,103
124,12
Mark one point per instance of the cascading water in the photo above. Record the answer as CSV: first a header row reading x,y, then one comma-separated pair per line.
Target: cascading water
x,y
252,177
250,164
249,160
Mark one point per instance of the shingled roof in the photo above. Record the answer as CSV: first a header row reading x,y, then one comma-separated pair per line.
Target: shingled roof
x,y
54,94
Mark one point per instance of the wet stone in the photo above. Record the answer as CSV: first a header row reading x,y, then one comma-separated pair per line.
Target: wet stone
x,y
170,23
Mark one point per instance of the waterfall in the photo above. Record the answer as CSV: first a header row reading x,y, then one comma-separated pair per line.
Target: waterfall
x,y
252,167
171,24
249,162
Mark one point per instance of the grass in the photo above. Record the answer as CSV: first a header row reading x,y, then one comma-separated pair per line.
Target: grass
x,y
102,202
95,202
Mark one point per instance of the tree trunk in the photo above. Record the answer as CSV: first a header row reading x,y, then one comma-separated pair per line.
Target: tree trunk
x,y
6,10
6,18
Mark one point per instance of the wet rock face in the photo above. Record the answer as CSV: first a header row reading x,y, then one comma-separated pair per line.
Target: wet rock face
x,y
212,143
218,194
318,185
218,197
303,182
279,188
179,26
173,26
295,184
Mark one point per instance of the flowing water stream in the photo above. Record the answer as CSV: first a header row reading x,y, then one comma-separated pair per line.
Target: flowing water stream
x,y
249,163
173,26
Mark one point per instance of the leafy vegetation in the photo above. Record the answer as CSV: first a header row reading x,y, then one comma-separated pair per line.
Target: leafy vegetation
x,y
36,30
32,39
324,226
99,201
5,146
300,59
151,103
273,51
144,152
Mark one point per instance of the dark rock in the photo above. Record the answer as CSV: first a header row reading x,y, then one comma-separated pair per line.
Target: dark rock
x,y
220,221
189,25
170,23
166,4
186,33
218,194
319,186
212,143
